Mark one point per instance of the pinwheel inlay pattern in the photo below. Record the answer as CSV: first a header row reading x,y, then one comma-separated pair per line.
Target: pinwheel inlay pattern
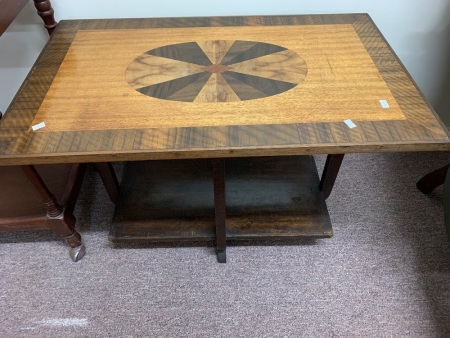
x,y
216,71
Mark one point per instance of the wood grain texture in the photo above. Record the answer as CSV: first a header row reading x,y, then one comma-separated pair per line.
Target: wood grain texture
x,y
125,130
192,72
342,81
270,198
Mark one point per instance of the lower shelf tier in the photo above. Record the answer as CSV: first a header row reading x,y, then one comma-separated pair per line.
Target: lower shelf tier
x,y
266,198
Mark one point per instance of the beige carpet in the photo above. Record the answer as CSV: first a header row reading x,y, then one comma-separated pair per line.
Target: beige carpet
x,y
386,271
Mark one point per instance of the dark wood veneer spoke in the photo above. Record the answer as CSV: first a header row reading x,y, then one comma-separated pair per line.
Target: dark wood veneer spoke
x,y
182,89
266,86
187,52
257,50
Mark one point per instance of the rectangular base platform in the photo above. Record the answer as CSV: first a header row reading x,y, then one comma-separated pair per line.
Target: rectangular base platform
x,y
266,198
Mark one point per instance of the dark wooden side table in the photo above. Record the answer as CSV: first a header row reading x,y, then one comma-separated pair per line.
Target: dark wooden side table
x,y
43,197
218,118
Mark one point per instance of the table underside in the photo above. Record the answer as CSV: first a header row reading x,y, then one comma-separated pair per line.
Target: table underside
x,y
267,198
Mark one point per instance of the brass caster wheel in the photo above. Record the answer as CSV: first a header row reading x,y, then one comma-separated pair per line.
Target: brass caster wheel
x,y
221,256
77,253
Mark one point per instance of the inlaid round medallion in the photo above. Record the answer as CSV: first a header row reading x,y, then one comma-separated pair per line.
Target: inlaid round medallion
x,y
216,71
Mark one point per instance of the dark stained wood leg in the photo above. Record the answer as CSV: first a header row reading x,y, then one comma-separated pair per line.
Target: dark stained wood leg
x,y
447,202
74,186
61,222
45,11
109,179
330,171
432,180
220,208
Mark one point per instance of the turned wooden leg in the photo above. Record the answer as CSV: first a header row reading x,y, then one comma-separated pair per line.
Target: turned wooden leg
x,y
432,180
219,207
109,179
62,223
45,11
329,174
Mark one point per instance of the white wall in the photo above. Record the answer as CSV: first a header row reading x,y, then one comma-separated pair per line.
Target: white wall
x,y
418,31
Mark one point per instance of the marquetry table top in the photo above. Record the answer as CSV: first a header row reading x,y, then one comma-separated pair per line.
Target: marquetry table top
x,y
134,89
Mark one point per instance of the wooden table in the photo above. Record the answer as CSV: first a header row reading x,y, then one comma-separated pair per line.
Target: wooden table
x,y
250,93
